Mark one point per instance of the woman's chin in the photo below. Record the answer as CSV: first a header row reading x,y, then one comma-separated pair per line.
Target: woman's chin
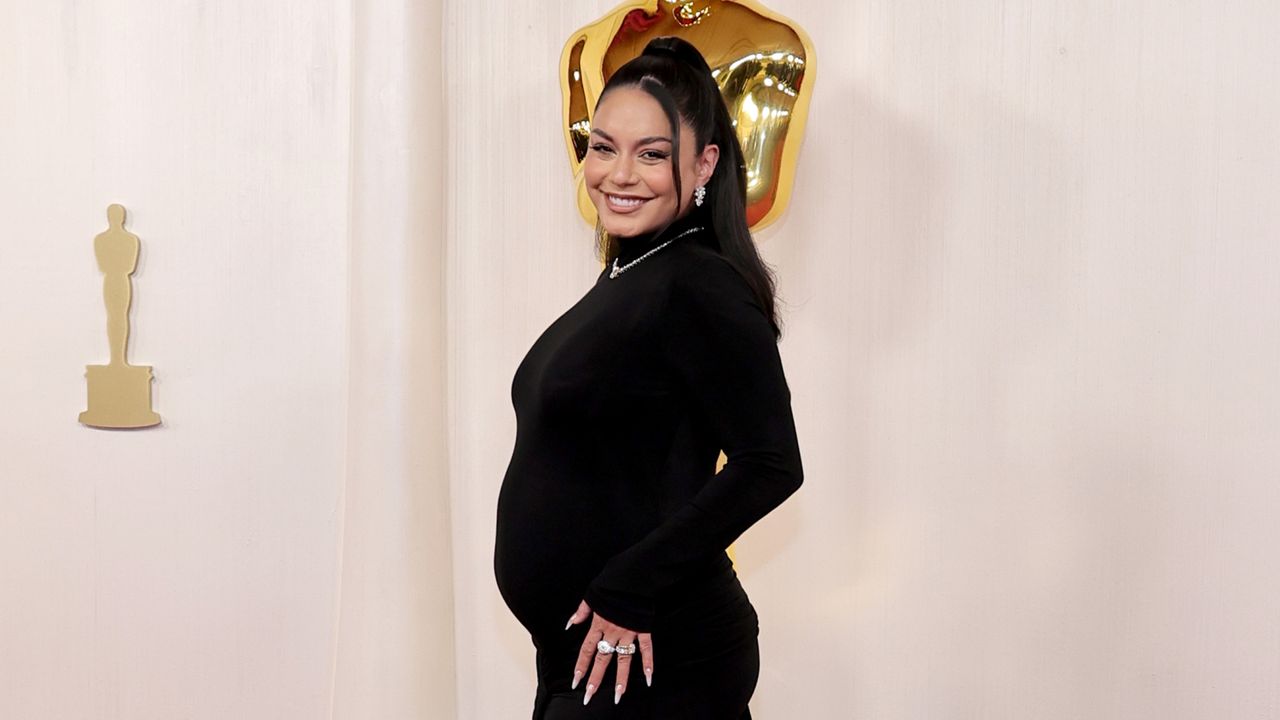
x,y
625,227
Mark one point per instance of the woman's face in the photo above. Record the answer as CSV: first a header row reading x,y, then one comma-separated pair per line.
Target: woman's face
x,y
628,164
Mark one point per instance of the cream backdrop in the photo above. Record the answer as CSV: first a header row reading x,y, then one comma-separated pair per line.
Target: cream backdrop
x,y
279,548
1029,278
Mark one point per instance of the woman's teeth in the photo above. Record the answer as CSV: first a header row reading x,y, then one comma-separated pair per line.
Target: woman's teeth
x,y
625,202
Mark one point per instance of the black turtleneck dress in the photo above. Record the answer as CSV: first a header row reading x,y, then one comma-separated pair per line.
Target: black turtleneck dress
x,y
611,495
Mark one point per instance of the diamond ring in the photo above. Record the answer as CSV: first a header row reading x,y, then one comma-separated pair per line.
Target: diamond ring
x,y
604,647
628,649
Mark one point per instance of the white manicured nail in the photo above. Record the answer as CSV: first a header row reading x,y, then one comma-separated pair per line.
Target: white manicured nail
x,y
570,623
648,677
617,694
587,697
577,677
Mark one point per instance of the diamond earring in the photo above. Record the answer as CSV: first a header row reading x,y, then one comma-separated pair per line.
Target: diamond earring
x,y
699,195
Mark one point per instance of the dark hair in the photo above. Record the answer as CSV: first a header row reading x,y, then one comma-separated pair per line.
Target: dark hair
x,y
675,74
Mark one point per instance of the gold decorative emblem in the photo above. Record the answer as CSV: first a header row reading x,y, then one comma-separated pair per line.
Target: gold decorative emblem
x,y
119,393
763,62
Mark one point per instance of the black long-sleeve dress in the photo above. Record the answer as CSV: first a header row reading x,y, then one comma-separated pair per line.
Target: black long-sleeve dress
x,y
611,495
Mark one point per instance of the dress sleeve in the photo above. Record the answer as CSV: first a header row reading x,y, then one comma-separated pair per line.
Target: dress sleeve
x,y
723,352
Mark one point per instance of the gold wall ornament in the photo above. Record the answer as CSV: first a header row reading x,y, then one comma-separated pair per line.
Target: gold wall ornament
x,y
119,393
763,63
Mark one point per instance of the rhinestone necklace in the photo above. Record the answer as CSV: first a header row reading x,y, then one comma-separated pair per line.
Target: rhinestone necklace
x,y
616,271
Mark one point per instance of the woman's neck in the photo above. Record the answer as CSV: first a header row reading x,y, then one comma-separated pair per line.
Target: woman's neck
x,y
634,246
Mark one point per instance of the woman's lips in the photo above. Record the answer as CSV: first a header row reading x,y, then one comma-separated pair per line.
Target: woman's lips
x,y
623,205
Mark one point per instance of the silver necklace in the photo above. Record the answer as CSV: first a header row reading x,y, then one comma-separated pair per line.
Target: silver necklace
x,y
616,271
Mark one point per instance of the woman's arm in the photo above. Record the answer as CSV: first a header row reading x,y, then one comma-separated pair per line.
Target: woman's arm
x,y
723,351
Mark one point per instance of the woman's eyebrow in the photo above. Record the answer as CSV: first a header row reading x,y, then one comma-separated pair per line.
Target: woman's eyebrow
x,y
643,141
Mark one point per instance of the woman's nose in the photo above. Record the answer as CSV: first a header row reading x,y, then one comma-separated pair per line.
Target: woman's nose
x,y
623,171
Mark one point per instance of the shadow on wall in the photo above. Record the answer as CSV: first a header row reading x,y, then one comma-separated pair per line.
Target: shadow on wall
x,y
852,258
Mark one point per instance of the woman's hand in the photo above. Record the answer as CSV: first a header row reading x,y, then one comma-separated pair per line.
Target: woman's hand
x,y
616,636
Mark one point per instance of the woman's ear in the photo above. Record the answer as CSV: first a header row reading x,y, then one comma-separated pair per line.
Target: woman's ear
x,y
707,163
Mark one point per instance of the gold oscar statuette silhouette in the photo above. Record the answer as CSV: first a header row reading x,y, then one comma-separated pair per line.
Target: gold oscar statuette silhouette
x,y
119,393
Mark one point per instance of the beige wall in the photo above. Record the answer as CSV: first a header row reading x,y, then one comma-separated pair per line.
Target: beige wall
x,y
263,553
185,571
1029,280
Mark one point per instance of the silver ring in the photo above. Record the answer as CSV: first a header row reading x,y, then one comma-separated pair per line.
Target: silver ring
x,y
604,647
628,649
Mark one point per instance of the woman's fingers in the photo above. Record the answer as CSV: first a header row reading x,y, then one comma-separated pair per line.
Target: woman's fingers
x,y
646,656
588,645
628,639
602,658
594,661
585,653
582,613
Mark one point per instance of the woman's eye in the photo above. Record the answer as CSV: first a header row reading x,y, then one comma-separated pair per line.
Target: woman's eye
x,y
601,148
654,155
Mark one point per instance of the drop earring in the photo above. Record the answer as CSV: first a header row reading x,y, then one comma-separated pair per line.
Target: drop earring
x,y
699,195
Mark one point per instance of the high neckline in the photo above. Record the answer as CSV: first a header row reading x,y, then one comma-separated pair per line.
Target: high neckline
x,y
632,247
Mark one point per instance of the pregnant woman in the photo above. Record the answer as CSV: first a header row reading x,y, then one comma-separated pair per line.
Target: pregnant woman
x,y
612,520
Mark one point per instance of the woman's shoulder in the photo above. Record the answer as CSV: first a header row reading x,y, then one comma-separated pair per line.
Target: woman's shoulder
x,y
706,277
701,264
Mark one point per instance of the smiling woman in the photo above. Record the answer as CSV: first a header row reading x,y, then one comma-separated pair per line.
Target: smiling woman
x,y
611,513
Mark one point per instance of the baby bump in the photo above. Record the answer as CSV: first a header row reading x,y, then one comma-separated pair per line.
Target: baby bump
x,y
547,549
